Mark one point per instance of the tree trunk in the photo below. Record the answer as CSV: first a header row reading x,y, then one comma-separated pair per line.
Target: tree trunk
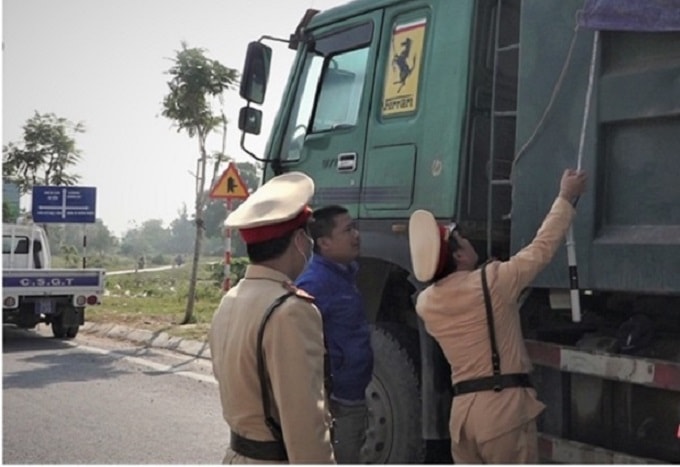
x,y
189,312
200,204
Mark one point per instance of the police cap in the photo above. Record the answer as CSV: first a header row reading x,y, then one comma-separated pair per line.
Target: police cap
x,y
427,244
278,207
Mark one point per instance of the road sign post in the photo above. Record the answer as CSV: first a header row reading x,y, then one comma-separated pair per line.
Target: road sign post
x,y
227,253
230,186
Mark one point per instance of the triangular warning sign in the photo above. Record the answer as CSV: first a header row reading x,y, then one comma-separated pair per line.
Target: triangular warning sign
x,y
230,185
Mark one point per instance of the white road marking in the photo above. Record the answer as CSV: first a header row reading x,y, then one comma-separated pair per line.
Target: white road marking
x,y
149,364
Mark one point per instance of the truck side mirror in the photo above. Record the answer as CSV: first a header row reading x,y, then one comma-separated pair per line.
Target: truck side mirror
x,y
250,120
255,72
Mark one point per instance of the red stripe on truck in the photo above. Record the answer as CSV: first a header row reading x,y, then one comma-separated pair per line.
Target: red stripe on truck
x,y
637,370
667,375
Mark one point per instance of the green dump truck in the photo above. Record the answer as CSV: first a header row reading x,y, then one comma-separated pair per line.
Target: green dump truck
x,y
472,110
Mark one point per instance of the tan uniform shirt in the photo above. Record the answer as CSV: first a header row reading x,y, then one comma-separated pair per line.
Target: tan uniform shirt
x,y
294,355
454,313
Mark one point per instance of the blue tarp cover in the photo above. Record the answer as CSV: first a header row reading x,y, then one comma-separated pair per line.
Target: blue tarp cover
x,y
631,15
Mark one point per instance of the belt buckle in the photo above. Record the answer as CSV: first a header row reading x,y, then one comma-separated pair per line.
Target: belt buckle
x,y
497,384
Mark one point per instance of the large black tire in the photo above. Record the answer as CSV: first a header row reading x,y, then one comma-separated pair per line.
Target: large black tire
x,y
66,324
394,434
58,328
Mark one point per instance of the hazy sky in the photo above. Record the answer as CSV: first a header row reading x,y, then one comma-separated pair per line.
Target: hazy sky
x,y
103,63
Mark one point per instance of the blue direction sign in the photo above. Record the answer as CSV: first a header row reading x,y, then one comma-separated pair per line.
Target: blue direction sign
x,y
64,204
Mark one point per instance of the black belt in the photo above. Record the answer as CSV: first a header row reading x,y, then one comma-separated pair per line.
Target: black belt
x,y
492,383
260,450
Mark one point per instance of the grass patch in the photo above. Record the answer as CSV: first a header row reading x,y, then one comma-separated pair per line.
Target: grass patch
x,y
157,301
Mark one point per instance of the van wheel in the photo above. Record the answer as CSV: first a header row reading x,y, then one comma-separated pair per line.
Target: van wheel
x,y
72,331
394,407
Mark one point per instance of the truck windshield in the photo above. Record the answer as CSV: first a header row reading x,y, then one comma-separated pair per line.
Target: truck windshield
x,y
330,87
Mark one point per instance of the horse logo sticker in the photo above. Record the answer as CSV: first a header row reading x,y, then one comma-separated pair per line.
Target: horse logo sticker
x,y
403,68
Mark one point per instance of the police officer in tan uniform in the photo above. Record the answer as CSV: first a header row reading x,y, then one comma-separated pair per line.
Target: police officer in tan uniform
x,y
494,410
266,338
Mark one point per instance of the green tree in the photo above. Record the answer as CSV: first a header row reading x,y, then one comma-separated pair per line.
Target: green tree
x,y
182,232
157,237
133,243
45,156
198,83
214,215
149,239
9,212
250,173
10,201
70,254
99,237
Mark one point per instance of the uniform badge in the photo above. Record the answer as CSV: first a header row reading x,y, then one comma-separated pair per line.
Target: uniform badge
x,y
289,286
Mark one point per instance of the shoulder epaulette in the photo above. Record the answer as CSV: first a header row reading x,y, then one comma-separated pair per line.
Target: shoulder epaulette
x,y
298,292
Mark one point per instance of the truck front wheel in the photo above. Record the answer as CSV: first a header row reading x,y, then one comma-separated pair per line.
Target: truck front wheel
x,y
394,432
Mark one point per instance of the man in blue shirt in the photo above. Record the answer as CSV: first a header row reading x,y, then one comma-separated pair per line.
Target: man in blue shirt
x,y
330,277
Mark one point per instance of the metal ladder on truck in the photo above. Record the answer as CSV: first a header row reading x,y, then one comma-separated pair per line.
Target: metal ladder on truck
x,y
505,58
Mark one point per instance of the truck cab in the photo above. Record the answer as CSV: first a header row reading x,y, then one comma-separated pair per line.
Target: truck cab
x,y
25,246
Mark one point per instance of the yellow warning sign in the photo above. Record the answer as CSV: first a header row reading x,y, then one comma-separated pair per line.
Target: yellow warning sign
x,y
230,185
403,69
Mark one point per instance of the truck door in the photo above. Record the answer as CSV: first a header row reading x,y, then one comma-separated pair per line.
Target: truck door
x,y
417,124
326,132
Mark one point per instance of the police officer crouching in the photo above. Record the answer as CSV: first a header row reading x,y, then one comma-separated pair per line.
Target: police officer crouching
x,y
266,337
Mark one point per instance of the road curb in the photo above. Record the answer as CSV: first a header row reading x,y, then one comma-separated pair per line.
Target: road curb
x,y
157,339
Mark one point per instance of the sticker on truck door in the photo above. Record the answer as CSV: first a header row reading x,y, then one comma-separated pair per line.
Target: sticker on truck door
x,y
400,94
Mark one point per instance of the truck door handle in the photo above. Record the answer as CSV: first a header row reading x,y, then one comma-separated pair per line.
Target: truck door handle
x,y
347,162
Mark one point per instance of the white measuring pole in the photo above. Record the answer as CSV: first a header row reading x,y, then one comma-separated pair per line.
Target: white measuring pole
x,y
570,243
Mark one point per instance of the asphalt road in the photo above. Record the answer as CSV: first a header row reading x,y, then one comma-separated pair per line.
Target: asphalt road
x,y
101,401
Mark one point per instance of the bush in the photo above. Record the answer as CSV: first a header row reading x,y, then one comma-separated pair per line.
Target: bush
x,y
70,255
237,267
96,262
159,260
